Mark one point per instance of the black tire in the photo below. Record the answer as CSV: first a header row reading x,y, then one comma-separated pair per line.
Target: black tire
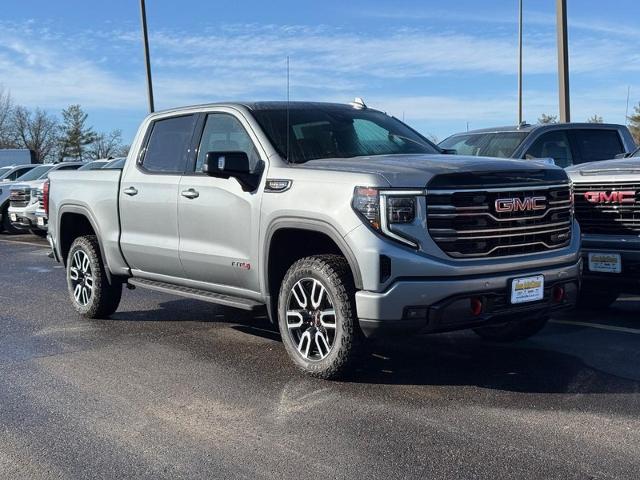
x,y
590,299
104,297
512,331
332,272
6,222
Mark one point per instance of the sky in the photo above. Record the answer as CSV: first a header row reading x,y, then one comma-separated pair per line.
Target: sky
x,y
439,64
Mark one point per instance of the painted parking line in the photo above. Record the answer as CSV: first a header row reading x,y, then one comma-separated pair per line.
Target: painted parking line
x,y
600,326
18,242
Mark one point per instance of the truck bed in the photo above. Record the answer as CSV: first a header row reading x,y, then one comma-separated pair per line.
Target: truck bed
x,y
94,193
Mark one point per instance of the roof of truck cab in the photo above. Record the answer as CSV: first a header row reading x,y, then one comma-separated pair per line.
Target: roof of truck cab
x,y
548,126
261,105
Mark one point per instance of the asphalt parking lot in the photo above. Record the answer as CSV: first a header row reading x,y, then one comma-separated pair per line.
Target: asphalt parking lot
x,y
174,388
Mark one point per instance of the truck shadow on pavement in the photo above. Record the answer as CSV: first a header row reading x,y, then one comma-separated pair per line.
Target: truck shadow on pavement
x,y
544,364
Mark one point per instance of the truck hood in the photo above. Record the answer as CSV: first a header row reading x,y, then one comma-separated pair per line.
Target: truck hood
x,y
415,171
605,168
30,184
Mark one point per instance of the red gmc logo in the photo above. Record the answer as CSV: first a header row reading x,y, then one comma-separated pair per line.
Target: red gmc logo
x,y
520,205
622,197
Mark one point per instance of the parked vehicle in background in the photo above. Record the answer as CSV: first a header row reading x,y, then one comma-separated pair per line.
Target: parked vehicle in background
x,y
16,156
23,200
34,173
94,165
607,205
115,164
566,143
10,174
340,220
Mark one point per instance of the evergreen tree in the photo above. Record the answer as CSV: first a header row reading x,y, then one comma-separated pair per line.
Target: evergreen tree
x,y
545,119
595,119
634,123
76,136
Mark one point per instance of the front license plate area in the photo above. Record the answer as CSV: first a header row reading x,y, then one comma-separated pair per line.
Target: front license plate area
x,y
527,289
605,262
13,217
40,221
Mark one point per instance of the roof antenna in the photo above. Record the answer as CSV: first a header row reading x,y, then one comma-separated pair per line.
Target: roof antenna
x,y
288,108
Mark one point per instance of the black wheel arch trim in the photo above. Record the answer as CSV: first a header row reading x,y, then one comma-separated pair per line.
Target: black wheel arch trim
x,y
80,210
314,226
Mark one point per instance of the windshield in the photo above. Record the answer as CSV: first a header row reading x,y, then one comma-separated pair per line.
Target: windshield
x,y
494,144
332,131
35,173
4,171
115,164
93,165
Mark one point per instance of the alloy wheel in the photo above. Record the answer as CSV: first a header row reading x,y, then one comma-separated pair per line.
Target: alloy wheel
x,y
81,277
311,319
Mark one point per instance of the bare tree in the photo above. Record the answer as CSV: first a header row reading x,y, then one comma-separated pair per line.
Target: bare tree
x,y
7,133
37,131
595,119
546,119
106,145
634,123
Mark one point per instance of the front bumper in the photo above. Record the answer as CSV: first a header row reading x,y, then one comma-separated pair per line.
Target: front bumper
x,y
443,304
628,280
23,220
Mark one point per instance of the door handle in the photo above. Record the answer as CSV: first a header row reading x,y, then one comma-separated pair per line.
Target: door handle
x,y
190,193
131,191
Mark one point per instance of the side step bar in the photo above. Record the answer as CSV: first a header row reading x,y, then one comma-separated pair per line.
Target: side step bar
x,y
204,295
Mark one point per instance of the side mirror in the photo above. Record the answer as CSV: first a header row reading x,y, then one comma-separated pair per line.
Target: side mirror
x,y
233,164
226,164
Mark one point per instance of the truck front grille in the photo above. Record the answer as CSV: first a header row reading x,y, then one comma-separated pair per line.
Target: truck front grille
x,y
20,197
495,222
602,209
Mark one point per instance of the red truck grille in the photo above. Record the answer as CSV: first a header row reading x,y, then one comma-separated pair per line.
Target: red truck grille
x,y
496,222
608,208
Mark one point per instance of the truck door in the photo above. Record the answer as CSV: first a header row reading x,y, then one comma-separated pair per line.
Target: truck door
x,y
149,198
219,221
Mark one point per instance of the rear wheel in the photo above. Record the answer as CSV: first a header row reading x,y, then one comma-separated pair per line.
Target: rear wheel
x,y
512,331
6,222
91,293
317,315
596,299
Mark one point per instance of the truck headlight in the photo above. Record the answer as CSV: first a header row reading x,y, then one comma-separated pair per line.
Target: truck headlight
x,y
401,209
383,208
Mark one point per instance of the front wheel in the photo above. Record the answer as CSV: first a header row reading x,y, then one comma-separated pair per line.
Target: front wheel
x,y
317,315
512,331
91,293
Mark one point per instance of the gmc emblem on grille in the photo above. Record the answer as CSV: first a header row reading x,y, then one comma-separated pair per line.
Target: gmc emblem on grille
x,y
622,197
520,205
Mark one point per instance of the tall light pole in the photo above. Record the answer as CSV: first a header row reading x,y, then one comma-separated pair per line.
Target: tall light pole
x,y
563,61
520,65
147,60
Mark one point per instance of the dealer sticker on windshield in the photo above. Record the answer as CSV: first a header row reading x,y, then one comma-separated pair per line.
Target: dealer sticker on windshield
x,y
605,262
527,289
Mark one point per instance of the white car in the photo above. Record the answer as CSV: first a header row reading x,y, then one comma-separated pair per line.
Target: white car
x,y
23,198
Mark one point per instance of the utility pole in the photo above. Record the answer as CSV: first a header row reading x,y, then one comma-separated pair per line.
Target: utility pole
x,y
563,61
520,66
147,60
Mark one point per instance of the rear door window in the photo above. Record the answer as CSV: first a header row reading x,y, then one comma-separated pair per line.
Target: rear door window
x,y
592,145
168,144
552,145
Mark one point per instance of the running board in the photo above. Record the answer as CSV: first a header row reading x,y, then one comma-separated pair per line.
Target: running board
x,y
197,294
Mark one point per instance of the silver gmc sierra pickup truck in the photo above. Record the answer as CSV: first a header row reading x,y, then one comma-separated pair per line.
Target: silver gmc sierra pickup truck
x,y
339,220
607,196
